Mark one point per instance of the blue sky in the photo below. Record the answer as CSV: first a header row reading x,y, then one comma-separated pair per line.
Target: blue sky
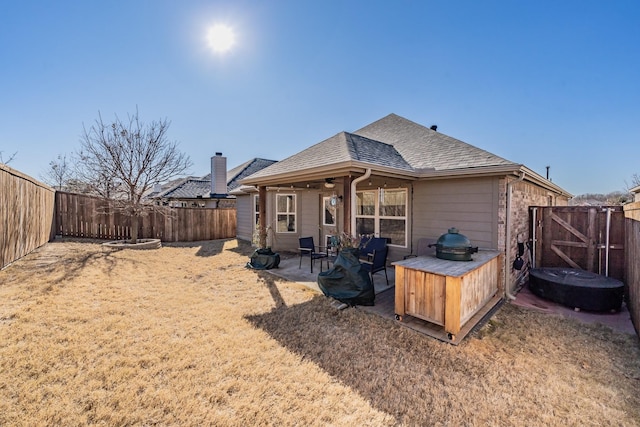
x,y
543,83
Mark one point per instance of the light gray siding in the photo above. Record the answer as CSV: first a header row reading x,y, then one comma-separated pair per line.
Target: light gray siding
x,y
244,217
470,205
309,217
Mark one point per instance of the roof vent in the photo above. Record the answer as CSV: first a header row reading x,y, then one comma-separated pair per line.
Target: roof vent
x,y
434,127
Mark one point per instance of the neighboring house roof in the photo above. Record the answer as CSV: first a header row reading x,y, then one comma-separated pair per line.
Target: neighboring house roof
x,y
195,188
163,188
242,171
189,189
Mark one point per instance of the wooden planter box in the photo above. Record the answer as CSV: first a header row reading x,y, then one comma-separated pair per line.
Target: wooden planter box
x,y
447,293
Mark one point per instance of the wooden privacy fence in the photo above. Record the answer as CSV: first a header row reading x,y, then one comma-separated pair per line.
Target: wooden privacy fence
x,y
586,237
86,216
26,214
632,276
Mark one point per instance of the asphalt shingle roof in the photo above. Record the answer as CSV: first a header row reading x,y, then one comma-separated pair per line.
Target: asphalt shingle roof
x,y
192,187
342,147
424,148
244,170
391,142
375,152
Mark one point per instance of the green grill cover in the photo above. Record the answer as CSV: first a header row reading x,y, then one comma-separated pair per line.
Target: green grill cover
x,y
347,281
264,259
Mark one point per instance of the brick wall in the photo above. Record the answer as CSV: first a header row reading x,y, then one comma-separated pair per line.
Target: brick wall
x,y
523,195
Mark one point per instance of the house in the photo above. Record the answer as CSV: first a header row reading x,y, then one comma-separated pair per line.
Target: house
x,y
204,192
396,179
636,193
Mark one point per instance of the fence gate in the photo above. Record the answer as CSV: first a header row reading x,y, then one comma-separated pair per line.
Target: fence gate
x,y
586,237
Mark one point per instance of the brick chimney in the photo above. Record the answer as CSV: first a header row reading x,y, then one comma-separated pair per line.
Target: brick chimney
x,y
218,176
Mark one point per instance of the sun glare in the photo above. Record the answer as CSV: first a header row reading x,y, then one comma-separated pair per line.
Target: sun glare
x,y
221,38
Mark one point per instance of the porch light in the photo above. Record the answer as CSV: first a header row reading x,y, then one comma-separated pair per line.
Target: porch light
x,y
328,183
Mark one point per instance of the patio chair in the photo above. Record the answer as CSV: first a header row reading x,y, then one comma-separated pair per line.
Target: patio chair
x,y
370,245
377,263
308,249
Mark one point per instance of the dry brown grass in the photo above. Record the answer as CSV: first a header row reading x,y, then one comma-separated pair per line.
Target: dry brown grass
x,y
185,335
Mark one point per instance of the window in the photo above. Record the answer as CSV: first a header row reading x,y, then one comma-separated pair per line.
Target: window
x,y
286,213
365,212
383,212
329,211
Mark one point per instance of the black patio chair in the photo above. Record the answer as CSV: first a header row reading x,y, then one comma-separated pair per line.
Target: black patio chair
x,y
308,249
368,246
378,262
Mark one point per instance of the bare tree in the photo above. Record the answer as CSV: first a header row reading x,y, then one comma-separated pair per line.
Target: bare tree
x,y
60,174
122,160
7,161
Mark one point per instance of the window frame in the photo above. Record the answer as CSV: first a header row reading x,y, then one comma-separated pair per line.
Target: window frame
x,y
256,211
293,211
377,217
326,203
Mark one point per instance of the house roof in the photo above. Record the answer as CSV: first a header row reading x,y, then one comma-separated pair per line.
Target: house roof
x,y
242,171
155,192
392,146
190,188
392,143
194,187
424,148
343,147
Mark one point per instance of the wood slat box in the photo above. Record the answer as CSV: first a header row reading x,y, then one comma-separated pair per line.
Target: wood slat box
x,y
447,293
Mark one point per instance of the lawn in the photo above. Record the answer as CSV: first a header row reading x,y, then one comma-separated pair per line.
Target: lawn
x,y
186,335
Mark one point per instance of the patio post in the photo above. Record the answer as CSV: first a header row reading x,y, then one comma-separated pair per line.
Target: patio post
x,y
262,213
346,204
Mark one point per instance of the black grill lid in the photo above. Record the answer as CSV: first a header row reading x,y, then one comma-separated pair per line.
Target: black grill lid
x,y
454,246
453,239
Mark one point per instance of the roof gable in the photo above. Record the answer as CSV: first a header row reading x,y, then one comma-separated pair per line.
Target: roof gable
x,y
343,147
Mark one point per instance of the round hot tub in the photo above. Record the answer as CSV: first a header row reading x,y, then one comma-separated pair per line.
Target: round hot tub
x,y
577,288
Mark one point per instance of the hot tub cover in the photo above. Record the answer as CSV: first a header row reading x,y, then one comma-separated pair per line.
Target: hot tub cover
x,y
577,288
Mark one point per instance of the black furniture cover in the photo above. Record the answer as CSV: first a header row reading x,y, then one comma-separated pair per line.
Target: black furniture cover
x,y
347,281
264,259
